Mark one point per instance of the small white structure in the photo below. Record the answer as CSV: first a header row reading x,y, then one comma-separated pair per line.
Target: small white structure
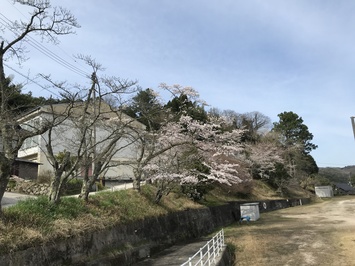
x,y
251,210
324,191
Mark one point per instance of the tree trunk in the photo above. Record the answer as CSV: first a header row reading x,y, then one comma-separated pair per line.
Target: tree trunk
x,y
137,172
4,180
54,193
5,169
85,190
58,181
5,172
90,181
158,195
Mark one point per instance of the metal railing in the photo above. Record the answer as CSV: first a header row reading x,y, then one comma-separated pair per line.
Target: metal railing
x,y
208,254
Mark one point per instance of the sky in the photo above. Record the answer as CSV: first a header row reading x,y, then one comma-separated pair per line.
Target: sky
x,y
253,55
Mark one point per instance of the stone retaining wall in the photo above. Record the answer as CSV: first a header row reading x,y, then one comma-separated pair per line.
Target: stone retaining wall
x,y
29,187
126,244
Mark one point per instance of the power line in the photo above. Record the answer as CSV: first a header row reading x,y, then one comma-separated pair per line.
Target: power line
x,y
12,4
69,56
32,80
38,46
55,57
46,51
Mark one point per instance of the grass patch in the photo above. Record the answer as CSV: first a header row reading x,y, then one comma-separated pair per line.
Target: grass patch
x,y
40,213
35,220
125,206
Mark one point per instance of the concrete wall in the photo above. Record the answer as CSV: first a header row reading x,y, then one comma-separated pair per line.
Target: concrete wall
x,y
126,244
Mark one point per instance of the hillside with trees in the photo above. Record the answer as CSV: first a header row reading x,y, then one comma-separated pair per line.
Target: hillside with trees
x,y
338,175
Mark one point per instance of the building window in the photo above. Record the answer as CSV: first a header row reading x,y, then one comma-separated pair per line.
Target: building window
x,y
30,143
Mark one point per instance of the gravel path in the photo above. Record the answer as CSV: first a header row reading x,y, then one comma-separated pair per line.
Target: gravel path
x,y
316,234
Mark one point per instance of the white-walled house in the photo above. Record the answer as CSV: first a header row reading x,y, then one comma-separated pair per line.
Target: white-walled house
x,y
66,136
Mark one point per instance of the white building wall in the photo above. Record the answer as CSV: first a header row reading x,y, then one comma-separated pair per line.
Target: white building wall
x,y
67,137
324,191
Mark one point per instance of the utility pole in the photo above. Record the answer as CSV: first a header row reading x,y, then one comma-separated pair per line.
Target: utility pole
x,y
353,124
94,81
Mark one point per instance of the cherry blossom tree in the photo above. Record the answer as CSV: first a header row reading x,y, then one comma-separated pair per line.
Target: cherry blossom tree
x,y
206,154
163,132
272,161
263,155
152,144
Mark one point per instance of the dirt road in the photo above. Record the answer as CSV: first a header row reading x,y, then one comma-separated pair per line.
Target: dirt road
x,y
316,234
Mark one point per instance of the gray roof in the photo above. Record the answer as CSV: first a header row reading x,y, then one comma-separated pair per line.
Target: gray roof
x,y
344,186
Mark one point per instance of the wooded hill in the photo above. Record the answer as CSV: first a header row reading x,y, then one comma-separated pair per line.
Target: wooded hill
x,y
337,174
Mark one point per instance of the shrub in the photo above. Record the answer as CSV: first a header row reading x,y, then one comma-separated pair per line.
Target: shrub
x,y
73,186
12,184
196,191
100,186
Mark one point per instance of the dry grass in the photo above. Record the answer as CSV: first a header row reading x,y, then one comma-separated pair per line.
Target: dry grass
x,y
250,190
262,191
315,234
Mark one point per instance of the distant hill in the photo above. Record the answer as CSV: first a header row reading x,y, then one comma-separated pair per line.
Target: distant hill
x,y
337,174
350,169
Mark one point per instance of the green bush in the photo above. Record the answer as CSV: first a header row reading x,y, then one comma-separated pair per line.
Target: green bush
x,y
196,191
100,186
12,184
73,186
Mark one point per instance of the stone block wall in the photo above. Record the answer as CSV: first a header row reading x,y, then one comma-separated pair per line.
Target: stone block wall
x,y
128,243
29,187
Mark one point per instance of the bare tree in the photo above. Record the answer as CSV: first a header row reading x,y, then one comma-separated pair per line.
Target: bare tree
x,y
47,22
93,131
258,122
113,139
65,166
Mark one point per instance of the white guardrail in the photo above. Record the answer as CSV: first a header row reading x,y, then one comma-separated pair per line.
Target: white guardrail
x,y
208,254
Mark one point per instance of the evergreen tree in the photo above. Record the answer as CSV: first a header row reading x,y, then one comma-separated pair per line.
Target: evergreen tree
x,y
182,105
146,108
296,139
293,130
19,102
